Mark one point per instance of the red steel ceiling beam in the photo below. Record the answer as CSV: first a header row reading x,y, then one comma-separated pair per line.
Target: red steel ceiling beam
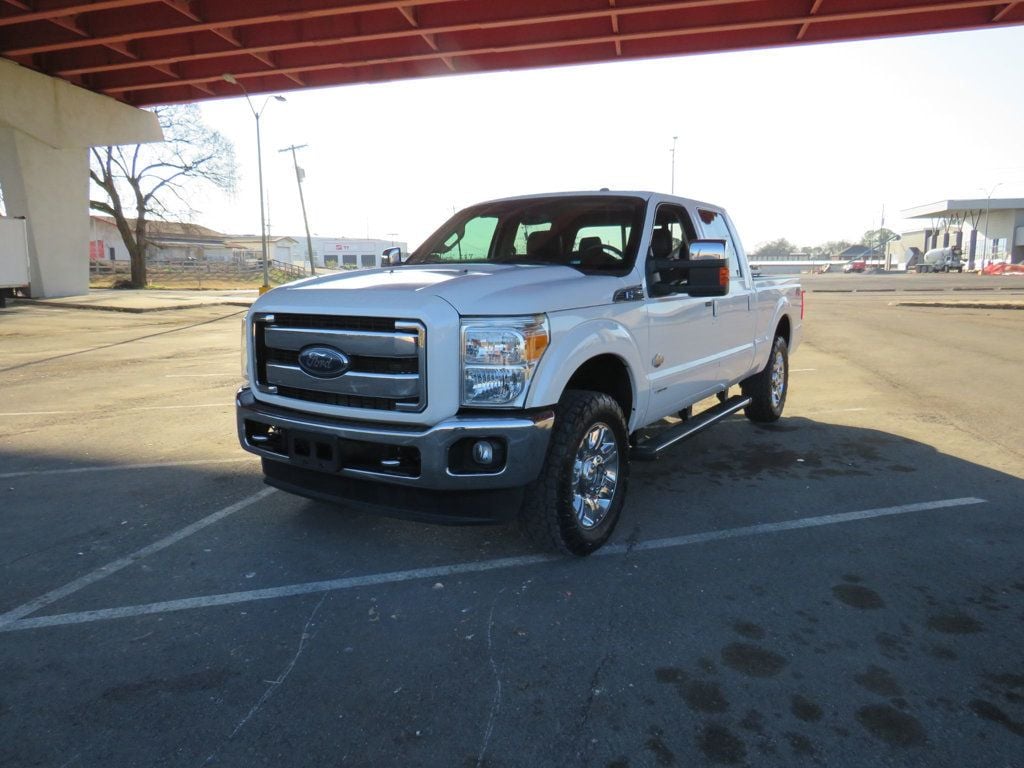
x,y
196,49
190,43
156,28
1009,7
397,31
56,11
806,26
795,22
430,33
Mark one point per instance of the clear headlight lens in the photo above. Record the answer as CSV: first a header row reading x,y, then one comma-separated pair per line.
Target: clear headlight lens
x,y
499,356
245,351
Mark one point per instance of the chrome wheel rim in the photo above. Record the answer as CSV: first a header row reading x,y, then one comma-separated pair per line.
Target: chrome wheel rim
x,y
595,475
778,378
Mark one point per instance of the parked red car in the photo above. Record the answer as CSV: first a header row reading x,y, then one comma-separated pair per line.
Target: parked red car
x,y
855,265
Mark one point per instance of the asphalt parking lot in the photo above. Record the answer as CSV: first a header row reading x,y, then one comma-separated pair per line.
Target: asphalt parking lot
x,y
843,588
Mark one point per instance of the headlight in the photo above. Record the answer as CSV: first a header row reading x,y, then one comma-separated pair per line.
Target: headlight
x,y
245,351
499,356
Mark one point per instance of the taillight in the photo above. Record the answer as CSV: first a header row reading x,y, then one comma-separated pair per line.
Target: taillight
x,y
803,293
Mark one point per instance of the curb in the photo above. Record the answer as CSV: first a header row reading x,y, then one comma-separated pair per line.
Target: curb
x,y
132,310
951,289
961,304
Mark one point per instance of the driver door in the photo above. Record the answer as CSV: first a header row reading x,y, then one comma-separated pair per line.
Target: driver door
x,y
682,360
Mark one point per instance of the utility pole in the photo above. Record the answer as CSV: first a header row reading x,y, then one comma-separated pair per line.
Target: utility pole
x,y
881,237
674,164
299,174
229,78
988,206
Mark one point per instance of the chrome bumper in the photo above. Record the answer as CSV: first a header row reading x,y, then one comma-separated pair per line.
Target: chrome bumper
x,y
525,437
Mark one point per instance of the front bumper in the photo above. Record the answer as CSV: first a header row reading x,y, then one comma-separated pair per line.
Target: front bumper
x,y
414,457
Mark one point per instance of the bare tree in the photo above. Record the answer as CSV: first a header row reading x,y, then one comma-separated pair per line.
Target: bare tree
x,y
144,180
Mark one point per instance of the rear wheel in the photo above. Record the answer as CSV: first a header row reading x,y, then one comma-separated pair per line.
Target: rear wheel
x,y
768,388
574,505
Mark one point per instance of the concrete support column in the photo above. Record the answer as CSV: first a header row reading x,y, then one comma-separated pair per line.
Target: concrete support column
x,y
50,188
972,248
46,129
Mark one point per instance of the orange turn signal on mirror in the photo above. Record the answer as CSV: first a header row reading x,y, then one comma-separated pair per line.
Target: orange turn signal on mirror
x,y
723,276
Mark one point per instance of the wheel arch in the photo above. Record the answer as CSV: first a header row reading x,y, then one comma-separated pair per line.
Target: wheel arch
x,y
600,356
608,374
784,329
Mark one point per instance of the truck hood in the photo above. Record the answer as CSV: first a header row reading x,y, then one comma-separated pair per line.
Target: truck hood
x,y
472,289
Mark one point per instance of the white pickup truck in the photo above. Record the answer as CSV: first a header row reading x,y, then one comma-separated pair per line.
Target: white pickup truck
x,y
524,345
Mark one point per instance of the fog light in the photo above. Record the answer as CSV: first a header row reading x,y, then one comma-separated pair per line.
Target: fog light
x,y
483,452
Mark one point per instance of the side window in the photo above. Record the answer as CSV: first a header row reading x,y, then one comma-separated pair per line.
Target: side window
x,y
715,228
521,243
673,232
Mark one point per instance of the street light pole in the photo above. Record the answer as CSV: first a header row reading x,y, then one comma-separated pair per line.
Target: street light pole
x,y
674,164
229,78
302,202
988,206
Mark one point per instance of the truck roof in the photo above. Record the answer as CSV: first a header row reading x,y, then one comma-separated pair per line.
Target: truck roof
x,y
605,192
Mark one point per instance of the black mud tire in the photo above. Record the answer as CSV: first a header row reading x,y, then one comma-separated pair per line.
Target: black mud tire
x,y
547,517
767,403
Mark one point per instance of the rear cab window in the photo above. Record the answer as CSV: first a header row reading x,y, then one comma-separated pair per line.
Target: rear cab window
x,y
715,227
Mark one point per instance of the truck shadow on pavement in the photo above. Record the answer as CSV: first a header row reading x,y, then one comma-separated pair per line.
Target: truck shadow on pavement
x,y
795,467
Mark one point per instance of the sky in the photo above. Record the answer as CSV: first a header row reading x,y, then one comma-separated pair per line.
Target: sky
x,y
808,143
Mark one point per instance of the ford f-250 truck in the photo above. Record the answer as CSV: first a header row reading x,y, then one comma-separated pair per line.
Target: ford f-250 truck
x,y
524,345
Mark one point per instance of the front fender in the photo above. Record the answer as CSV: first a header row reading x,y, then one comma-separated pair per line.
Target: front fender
x,y
573,347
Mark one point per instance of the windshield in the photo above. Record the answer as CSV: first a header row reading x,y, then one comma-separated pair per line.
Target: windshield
x,y
599,234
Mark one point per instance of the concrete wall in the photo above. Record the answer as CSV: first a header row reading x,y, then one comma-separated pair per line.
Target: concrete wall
x,y
46,128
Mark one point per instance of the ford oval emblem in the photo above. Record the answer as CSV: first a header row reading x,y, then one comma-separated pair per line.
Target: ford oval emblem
x,y
323,362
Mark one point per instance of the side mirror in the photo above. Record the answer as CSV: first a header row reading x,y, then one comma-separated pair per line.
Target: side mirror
x,y
391,257
704,273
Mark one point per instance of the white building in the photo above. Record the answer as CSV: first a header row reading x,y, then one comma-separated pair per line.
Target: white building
x,y
175,241
169,242
105,240
282,249
985,229
349,253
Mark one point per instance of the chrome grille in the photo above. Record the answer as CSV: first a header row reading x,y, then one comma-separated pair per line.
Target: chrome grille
x,y
387,360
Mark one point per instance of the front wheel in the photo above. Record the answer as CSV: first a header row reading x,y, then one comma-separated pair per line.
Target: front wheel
x,y
574,505
768,388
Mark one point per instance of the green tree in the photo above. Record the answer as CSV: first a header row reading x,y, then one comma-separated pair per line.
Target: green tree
x,y
833,247
773,249
875,238
141,180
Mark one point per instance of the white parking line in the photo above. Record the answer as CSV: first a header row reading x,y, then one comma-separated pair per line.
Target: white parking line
x,y
82,582
116,467
199,375
395,577
226,404
802,370
838,410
